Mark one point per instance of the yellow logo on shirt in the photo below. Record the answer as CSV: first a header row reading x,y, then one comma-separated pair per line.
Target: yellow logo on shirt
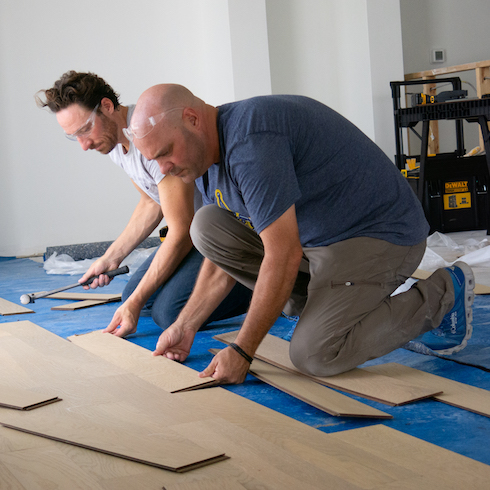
x,y
221,203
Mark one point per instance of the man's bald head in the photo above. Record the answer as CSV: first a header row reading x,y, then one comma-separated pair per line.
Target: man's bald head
x,y
176,129
162,98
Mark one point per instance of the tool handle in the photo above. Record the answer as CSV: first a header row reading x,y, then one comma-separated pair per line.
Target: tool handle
x,y
113,273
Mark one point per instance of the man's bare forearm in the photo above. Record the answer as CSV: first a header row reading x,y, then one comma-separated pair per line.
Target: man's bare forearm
x,y
168,257
273,288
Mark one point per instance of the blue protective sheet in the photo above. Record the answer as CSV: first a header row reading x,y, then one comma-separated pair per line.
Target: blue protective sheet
x,y
452,428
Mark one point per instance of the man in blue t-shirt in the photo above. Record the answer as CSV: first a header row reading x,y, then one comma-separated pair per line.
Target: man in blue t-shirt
x,y
304,209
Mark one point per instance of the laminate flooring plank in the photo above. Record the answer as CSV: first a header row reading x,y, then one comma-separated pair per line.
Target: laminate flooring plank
x,y
78,305
50,468
169,375
354,465
146,404
314,394
9,308
94,469
20,399
84,296
357,381
215,484
134,445
429,461
457,394
277,467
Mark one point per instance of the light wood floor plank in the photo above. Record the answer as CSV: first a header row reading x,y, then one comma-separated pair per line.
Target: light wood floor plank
x,y
9,308
84,296
78,305
457,394
37,470
173,454
20,399
423,458
215,484
357,381
162,372
27,359
313,393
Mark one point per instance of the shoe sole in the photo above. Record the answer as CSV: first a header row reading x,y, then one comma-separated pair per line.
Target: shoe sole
x,y
469,287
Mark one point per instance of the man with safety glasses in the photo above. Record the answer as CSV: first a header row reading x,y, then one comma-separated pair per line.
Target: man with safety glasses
x,y
88,110
307,211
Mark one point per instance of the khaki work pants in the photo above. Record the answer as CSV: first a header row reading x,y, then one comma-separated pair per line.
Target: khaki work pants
x,y
343,292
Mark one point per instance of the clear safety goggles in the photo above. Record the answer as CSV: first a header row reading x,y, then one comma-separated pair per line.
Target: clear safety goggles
x,y
144,129
85,129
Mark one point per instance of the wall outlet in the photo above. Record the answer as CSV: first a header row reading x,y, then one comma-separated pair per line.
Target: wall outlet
x,y
438,56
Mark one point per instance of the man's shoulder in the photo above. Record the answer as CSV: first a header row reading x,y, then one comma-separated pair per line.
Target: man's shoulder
x,y
264,101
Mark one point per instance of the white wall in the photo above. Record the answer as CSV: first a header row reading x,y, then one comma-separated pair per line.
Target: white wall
x,y
249,48
343,53
462,29
52,193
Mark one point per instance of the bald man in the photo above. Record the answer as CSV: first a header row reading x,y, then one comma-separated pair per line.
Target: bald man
x,y
88,110
303,208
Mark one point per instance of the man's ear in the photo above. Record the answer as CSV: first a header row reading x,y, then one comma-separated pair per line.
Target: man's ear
x,y
190,116
107,104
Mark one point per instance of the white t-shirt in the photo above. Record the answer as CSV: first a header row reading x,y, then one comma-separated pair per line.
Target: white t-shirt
x,y
144,173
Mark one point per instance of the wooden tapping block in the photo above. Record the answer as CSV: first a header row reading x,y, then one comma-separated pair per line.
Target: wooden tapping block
x,y
169,375
132,443
9,308
479,288
357,381
21,399
78,305
457,394
314,394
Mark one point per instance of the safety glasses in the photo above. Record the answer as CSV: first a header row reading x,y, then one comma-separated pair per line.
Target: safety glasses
x,y
86,128
144,129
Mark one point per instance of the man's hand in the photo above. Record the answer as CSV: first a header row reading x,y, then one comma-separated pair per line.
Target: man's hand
x,y
175,343
97,269
227,367
126,318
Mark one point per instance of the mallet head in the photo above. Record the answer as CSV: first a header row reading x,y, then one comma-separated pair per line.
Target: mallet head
x,y
25,299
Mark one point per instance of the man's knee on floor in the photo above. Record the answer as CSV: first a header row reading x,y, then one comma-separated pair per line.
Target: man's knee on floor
x,y
164,317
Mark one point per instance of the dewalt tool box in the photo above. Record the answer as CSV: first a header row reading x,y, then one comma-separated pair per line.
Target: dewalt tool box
x,y
452,187
455,193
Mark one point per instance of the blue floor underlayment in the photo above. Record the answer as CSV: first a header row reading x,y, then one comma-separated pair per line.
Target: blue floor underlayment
x,y
455,429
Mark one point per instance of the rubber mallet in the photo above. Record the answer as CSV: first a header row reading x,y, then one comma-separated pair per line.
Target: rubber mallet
x,y
30,298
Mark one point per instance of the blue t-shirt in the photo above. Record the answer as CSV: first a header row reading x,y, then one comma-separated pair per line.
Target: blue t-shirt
x,y
280,150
